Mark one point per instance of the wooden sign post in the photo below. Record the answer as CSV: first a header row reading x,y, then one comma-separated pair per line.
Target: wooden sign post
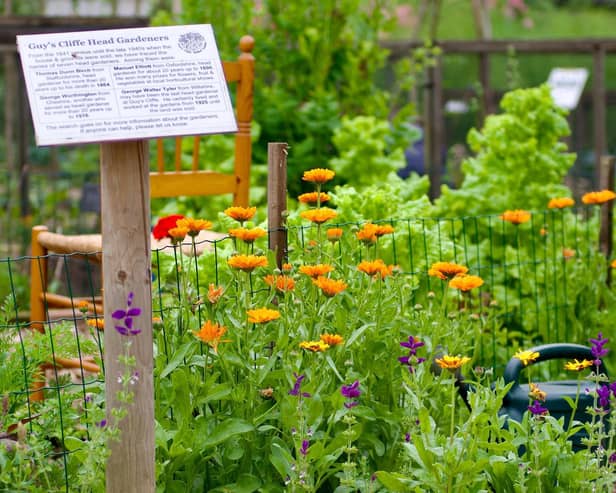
x,y
113,87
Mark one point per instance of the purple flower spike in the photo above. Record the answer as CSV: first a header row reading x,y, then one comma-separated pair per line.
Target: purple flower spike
x,y
537,409
412,359
126,316
351,392
304,449
604,393
296,390
412,344
597,349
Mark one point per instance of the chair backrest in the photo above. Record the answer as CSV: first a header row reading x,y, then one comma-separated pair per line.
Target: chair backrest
x,y
171,181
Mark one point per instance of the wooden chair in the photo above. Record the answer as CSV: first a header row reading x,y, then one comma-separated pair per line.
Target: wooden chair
x,y
165,181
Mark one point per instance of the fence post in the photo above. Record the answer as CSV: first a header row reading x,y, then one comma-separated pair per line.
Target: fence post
x,y
599,106
606,231
277,199
125,207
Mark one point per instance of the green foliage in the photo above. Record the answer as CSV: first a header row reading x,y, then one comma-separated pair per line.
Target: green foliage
x,y
367,150
520,161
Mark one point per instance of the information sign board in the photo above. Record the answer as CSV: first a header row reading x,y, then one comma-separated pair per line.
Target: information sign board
x,y
125,84
566,86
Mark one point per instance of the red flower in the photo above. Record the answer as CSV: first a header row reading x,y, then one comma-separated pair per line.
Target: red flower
x,y
164,224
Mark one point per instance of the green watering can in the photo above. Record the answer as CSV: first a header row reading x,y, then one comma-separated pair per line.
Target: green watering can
x,y
516,402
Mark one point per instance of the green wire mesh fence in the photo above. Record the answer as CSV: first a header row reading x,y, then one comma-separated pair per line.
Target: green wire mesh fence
x,y
543,281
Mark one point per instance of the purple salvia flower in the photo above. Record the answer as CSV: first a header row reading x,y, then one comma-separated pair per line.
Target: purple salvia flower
x,y
412,344
603,393
296,390
537,409
351,392
102,424
612,458
125,327
597,349
304,449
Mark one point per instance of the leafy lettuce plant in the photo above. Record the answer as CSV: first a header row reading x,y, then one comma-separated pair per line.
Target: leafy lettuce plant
x,y
520,160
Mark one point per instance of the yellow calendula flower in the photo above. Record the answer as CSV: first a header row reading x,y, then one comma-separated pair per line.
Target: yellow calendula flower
x,y
262,315
598,197
313,198
178,234
193,225
536,393
446,270
375,268
319,216
282,283
560,203
96,323
526,357
210,333
517,216
383,229
241,214
247,235
451,363
247,263
464,282
318,175
576,365
367,234
214,293
334,234
332,339
330,287
315,271
314,346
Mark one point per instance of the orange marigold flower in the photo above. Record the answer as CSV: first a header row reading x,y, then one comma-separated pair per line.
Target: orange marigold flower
x,y
330,287
287,267
214,293
465,282
210,333
576,365
97,323
314,346
613,264
367,234
315,271
82,306
318,175
334,234
384,229
332,339
193,225
517,216
526,357
247,263
319,216
248,235
375,268
313,198
543,231
446,270
262,315
568,253
281,283
241,214
560,203
178,234
598,197
451,363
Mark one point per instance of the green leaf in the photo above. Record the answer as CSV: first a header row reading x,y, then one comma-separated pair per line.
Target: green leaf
x,y
226,430
178,359
393,482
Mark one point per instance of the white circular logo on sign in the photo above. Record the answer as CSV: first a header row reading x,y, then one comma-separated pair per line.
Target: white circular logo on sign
x,y
192,42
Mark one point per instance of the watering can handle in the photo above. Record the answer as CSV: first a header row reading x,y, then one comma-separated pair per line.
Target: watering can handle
x,y
548,352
